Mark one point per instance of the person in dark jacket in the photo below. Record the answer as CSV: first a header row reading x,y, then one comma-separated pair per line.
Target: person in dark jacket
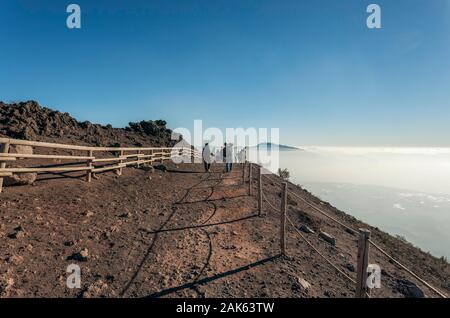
x,y
228,157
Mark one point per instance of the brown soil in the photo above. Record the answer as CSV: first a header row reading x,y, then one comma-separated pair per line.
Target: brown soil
x,y
182,233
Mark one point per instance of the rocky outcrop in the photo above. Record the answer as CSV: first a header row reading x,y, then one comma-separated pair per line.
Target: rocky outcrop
x,y
28,120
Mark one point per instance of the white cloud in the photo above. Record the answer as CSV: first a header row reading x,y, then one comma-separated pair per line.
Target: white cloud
x,y
379,150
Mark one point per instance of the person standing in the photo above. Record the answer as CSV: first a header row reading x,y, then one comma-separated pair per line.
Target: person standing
x,y
207,157
228,157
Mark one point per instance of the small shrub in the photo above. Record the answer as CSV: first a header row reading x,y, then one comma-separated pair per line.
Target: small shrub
x,y
284,174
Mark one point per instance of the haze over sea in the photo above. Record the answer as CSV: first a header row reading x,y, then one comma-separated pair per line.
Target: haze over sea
x,y
403,191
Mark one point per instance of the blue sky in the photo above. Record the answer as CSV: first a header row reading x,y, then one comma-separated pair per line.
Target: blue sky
x,y
311,68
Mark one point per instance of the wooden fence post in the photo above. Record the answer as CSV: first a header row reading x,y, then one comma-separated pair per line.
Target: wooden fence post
x,y
138,159
363,262
89,164
260,188
283,218
250,179
119,172
244,166
4,149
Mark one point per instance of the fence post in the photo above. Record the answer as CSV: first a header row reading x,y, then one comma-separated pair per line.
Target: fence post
x,y
119,172
138,159
283,218
363,262
244,165
250,179
4,149
260,187
89,164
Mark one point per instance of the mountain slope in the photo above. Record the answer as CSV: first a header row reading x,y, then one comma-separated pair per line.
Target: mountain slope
x,y
28,120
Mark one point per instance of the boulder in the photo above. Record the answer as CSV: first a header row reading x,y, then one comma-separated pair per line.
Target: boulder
x,y
327,237
408,289
20,179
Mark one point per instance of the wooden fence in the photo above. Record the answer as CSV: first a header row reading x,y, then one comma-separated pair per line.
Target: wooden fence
x,y
88,159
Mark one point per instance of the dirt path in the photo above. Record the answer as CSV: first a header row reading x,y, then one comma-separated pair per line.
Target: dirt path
x,y
182,233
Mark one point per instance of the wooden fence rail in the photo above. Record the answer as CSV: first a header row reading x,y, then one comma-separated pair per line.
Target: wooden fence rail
x,y
142,155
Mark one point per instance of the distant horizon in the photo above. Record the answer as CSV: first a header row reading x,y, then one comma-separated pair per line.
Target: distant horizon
x,y
301,147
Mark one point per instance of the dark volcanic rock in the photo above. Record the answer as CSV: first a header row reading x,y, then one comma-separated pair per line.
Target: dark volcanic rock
x,y
408,289
28,120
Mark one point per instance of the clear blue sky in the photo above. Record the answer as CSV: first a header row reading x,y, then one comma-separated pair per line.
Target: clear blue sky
x,y
311,68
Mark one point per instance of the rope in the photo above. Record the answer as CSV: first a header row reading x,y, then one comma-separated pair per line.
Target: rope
x,y
322,212
407,269
314,207
267,201
351,229
317,251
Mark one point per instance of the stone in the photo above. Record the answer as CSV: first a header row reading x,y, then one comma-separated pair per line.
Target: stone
x,y
81,256
350,267
125,215
89,213
20,179
18,233
327,237
69,243
303,283
408,289
306,229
